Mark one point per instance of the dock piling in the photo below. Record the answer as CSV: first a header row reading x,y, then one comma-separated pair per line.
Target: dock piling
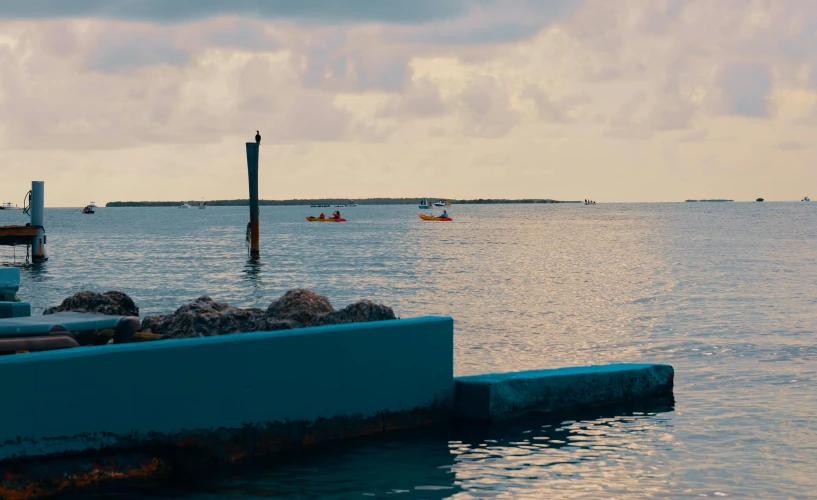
x,y
37,217
252,172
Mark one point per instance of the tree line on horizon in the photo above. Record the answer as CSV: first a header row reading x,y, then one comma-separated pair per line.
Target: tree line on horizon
x,y
328,201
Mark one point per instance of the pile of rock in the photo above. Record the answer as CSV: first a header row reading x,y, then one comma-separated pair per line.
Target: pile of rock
x,y
205,317
111,303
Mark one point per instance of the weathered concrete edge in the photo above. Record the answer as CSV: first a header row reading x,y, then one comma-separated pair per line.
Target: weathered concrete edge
x,y
192,453
497,396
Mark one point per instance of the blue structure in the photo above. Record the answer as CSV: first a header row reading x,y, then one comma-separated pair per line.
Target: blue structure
x,y
10,307
502,395
304,386
85,415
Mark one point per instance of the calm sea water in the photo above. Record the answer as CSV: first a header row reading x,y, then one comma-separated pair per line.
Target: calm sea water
x,y
725,292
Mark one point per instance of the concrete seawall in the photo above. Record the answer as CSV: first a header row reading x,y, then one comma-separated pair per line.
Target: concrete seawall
x,y
498,396
218,399
83,416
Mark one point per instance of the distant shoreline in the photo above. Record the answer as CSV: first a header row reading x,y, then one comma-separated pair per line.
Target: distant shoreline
x,y
328,201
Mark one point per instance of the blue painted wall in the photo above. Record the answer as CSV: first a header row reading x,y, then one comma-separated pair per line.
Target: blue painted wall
x,y
496,396
86,398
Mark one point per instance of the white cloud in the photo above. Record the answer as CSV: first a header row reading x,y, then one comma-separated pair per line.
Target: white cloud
x,y
610,94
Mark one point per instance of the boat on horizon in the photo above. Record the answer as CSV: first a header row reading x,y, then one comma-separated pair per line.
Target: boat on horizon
x,y
351,204
89,208
9,206
184,205
202,205
424,204
806,199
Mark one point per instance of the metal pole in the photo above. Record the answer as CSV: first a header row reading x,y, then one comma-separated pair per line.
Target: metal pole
x,y
37,217
252,171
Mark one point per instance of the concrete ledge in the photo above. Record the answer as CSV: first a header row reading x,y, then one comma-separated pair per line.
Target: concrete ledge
x,y
232,395
10,278
14,309
502,395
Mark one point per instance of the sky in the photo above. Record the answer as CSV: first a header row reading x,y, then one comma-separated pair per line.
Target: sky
x,y
617,101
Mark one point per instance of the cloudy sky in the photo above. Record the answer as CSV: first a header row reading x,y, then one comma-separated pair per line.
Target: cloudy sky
x,y
616,100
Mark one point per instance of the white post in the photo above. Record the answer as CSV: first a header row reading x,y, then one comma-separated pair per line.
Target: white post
x,y
37,216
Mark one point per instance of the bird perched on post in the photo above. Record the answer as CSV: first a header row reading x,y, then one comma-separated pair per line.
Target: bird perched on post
x,y
258,137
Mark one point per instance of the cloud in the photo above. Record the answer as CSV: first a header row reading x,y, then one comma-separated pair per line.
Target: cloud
x,y
697,136
791,146
628,122
745,88
119,52
550,110
421,100
485,108
162,11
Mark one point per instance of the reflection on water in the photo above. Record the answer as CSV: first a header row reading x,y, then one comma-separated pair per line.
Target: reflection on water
x,y
726,293
545,456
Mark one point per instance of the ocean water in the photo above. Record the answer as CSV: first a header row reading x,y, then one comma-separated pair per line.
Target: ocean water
x,y
725,292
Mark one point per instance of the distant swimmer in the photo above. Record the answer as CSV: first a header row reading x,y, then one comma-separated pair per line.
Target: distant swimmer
x,y
258,137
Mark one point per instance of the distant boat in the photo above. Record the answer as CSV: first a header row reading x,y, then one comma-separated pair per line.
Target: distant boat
x,y
92,205
759,199
184,205
589,202
806,199
9,206
88,209
202,205
424,204
351,204
442,203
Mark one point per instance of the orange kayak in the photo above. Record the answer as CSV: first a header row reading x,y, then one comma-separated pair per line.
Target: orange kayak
x,y
428,217
330,219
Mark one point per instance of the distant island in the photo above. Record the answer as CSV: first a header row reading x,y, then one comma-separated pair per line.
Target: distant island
x,y
707,201
329,201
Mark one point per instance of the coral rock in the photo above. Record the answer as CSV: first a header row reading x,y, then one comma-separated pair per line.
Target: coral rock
x,y
112,303
299,305
359,312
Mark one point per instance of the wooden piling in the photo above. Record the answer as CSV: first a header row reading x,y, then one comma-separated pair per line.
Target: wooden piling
x,y
255,211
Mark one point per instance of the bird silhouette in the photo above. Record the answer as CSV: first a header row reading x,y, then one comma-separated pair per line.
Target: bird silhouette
x,y
258,137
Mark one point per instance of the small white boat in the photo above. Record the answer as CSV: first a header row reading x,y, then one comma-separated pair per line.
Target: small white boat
x,y
202,205
9,206
439,203
89,209
92,205
424,204
806,199
351,204
184,205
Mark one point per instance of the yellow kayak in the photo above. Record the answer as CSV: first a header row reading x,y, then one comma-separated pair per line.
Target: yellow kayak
x,y
428,217
318,219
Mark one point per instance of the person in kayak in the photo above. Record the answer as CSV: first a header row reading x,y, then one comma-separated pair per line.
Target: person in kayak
x,y
444,214
322,216
336,215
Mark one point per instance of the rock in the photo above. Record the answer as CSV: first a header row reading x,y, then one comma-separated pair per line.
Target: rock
x,y
359,312
112,303
205,317
152,324
299,305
